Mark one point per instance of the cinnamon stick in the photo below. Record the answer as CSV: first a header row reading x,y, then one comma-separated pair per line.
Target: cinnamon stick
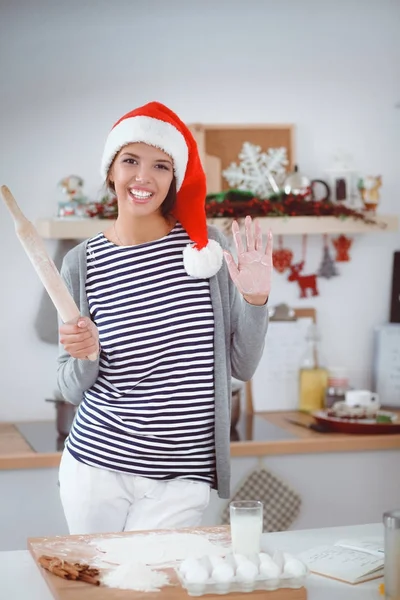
x,y
88,579
67,570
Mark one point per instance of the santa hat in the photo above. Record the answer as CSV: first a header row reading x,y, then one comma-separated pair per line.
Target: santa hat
x,y
156,125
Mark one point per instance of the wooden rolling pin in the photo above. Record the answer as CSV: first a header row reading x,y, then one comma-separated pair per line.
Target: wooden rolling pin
x,y
44,266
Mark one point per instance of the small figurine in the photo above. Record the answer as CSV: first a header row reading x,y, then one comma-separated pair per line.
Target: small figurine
x,y
369,189
73,203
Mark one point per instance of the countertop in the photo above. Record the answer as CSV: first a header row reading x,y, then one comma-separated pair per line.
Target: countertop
x,y
20,578
36,444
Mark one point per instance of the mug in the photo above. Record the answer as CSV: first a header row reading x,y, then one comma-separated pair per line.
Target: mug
x,y
363,398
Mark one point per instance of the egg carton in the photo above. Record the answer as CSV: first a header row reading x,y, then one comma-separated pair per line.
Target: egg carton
x,y
236,584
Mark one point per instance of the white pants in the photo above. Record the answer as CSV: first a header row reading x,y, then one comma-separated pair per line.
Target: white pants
x,y
96,500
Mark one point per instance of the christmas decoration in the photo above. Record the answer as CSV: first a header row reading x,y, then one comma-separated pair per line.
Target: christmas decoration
x,y
327,268
342,245
106,208
282,257
236,203
72,201
305,282
369,190
257,171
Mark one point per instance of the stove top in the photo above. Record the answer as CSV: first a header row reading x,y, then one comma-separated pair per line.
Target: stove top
x,y
43,437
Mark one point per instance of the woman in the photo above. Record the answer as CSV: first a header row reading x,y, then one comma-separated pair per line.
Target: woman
x,y
162,313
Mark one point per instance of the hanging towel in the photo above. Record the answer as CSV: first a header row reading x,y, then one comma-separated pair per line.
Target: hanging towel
x,y
281,504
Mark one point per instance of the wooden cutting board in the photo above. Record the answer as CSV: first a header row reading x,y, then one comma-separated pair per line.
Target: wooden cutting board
x,y
76,548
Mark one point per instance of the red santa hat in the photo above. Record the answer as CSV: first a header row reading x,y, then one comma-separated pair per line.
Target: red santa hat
x,y
156,125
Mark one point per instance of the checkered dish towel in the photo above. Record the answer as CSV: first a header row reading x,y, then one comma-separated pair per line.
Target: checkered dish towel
x,y
281,505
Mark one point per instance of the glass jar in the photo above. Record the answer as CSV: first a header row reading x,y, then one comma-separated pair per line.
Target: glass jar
x,y
337,386
391,521
313,375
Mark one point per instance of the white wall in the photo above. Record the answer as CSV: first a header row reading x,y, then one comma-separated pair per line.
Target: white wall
x,y
68,70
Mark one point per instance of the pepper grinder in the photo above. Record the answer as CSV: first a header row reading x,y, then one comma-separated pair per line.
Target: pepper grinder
x,y
391,521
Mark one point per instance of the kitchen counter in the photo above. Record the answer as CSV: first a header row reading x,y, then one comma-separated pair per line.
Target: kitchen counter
x,y
21,579
36,444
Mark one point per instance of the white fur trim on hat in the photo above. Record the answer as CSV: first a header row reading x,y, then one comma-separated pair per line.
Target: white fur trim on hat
x,y
150,131
203,263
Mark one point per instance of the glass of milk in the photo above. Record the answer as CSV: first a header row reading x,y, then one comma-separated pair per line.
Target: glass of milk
x,y
246,518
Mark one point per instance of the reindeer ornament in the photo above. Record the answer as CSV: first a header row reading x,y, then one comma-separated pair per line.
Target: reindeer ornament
x,y
306,282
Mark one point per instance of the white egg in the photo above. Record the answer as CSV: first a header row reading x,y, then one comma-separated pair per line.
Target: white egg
x,y
246,571
187,564
294,568
196,574
210,562
269,569
263,556
239,559
223,573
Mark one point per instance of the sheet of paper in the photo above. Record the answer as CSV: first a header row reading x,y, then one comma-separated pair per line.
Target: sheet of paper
x,y
275,385
341,563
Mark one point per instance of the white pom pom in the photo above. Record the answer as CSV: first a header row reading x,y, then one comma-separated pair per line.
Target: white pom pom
x,y
203,263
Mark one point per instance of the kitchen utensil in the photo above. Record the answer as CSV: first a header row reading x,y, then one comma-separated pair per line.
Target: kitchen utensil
x,y
358,426
298,184
43,264
313,426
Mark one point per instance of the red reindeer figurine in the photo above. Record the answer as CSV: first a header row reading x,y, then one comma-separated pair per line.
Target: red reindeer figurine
x,y
305,281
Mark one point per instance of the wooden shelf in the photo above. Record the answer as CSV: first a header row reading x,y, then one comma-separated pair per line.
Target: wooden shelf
x,y
74,228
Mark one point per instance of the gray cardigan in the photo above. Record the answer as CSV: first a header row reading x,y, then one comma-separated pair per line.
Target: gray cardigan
x,y
240,330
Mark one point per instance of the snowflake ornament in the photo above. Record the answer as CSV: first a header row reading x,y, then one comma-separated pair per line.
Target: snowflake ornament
x,y
257,172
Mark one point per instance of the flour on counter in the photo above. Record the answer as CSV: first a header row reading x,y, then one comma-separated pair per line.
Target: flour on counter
x,y
157,549
135,576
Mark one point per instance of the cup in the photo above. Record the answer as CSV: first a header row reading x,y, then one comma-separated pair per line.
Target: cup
x,y
363,398
391,521
246,519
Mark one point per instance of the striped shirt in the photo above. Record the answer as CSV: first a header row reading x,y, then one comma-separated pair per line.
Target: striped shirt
x,y
151,410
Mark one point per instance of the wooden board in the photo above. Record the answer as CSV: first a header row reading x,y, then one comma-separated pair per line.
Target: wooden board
x,y
77,548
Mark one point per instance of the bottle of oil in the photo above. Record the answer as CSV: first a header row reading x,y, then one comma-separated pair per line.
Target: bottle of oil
x,y
313,374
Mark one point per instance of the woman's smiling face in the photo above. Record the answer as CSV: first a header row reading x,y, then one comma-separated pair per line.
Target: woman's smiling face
x,y
142,176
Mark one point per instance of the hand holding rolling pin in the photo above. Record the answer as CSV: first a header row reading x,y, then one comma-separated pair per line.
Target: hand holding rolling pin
x,y
80,340
87,336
